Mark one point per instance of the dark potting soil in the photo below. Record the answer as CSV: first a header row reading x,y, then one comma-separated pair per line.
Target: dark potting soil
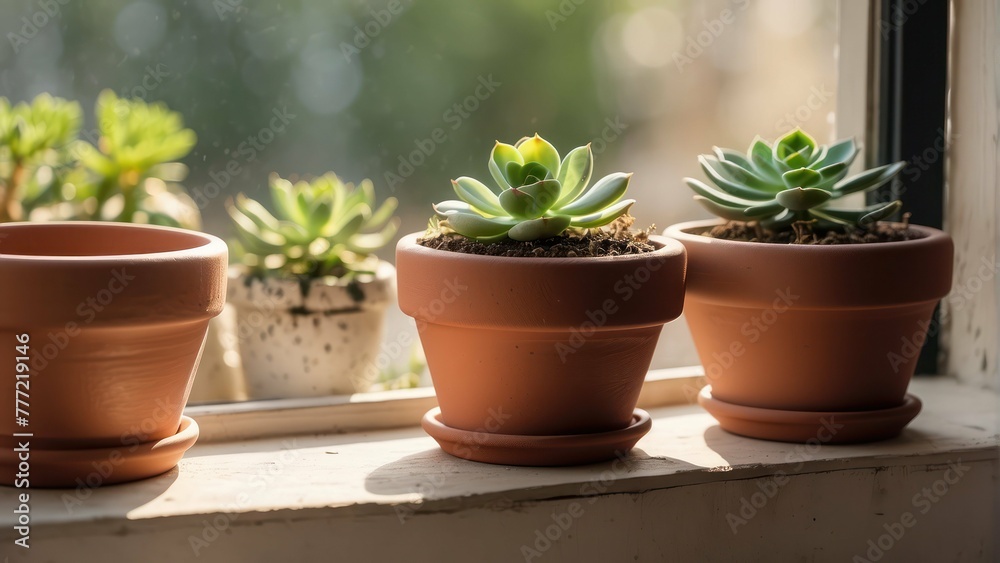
x,y
614,240
804,234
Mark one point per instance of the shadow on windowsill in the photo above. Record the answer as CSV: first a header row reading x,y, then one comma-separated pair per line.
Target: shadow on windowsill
x,y
434,475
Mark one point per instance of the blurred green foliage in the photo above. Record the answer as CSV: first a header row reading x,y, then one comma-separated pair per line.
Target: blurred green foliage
x,y
32,136
130,174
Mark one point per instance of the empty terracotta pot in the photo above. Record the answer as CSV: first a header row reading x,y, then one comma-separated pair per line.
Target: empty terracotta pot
x,y
539,346
810,327
113,317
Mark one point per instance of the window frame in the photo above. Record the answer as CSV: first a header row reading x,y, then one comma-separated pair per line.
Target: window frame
x,y
907,116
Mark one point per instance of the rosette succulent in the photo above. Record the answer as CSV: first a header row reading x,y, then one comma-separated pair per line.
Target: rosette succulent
x,y
792,180
320,228
537,194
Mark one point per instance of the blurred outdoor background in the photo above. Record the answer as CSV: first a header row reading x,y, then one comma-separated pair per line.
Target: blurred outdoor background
x,y
414,93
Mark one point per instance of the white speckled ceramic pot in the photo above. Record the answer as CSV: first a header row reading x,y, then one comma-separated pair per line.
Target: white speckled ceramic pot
x,y
321,341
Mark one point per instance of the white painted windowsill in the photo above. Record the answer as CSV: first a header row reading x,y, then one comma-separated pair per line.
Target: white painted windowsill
x,y
222,491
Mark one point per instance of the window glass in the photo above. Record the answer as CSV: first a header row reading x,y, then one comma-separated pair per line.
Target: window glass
x,y
412,94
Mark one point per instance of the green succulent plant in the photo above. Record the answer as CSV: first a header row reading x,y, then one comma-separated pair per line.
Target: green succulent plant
x,y
137,140
30,135
129,174
320,228
790,181
537,194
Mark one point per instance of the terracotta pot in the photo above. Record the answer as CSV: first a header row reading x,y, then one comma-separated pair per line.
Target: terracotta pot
x,y
325,342
812,328
116,315
539,346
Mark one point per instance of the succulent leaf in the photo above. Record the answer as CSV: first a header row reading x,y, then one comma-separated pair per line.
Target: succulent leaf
x,y
253,236
382,215
795,144
284,199
719,210
604,216
605,192
760,155
474,225
256,212
733,157
729,186
832,174
717,196
529,173
801,178
520,204
476,194
501,155
531,201
574,173
537,149
878,212
739,174
320,216
881,213
802,199
542,227
450,205
868,180
346,229
842,151
370,242
769,209
798,159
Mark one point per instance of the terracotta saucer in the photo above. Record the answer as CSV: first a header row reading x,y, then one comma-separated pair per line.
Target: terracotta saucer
x,y
805,426
508,449
94,467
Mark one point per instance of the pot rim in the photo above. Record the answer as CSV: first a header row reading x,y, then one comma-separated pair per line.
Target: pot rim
x,y
208,245
688,231
541,294
379,290
865,276
666,247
